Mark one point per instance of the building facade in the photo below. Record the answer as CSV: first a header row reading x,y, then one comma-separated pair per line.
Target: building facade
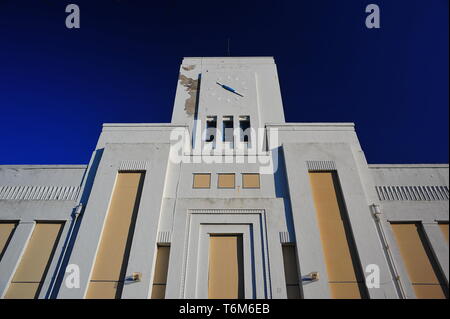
x,y
227,201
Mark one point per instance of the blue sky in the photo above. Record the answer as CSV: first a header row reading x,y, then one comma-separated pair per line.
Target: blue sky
x,y
57,86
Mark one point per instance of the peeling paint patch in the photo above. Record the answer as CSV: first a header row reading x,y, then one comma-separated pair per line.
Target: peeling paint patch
x,y
188,67
191,86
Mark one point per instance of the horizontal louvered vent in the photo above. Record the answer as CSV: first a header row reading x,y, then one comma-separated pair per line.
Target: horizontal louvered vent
x,y
133,166
39,192
320,166
413,193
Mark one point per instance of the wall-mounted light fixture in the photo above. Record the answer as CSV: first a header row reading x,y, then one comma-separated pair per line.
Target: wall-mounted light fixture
x,y
136,276
312,276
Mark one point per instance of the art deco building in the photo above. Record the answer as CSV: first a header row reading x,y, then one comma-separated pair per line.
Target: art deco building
x,y
227,201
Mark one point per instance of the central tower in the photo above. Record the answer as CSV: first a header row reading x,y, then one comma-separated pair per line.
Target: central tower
x,y
218,94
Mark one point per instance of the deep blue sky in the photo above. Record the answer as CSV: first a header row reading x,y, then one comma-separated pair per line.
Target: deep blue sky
x,y
57,86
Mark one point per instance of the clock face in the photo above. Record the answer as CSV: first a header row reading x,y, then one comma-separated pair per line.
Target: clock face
x,y
227,89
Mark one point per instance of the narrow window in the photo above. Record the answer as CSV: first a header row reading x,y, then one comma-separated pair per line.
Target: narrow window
x,y
211,128
202,181
291,273
250,180
109,272
344,270
228,129
423,271
32,270
160,275
6,233
226,180
244,126
226,268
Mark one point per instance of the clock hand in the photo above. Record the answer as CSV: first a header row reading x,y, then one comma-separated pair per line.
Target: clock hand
x,y
226,87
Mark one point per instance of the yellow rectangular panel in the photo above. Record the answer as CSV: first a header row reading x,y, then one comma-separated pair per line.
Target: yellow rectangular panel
x,y
329,207
444,228
114,243
103,289
345,290
161,265
158,292
112,256
337,252
429,292
160,275
202,181
22,290
226,270
412,250
225,181
38,253
32,269
6,231
250,181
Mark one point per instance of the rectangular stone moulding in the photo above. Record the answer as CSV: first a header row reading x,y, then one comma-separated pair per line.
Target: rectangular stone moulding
x,y
343,268
112,256
226,270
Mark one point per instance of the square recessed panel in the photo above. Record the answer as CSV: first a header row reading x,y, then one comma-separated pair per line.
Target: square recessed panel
x,y
250,180
226,181
202,181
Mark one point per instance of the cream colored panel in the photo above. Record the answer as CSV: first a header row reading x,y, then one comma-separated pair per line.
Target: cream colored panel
x,y
250,181
414,255
113,245
32,268
337,253
158,292
6,230
202,181
162,264
444,228
102,289
332,232
345,290
429,292
38,253
226,271
22,290
160,275
226,181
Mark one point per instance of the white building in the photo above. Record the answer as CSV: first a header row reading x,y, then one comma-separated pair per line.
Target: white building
x,y
284,210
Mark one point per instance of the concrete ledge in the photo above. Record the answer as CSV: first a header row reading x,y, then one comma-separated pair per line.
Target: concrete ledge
x,y
382,166
312,126
230,59
31,166
141,126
